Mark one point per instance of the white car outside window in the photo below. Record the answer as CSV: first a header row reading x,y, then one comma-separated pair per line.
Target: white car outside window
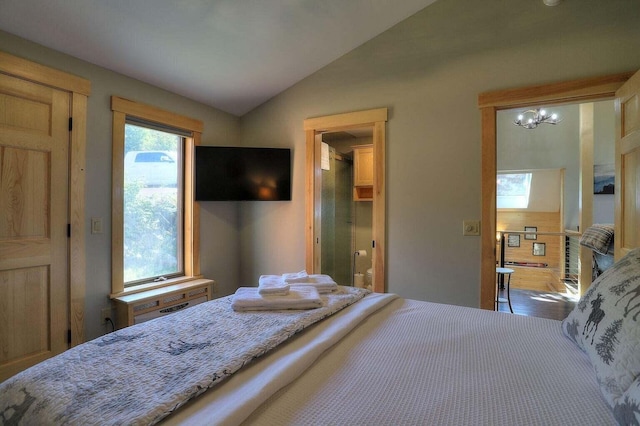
x,y
152,168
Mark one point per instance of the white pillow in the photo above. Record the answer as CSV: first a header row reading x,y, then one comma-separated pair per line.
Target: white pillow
x,y
605,324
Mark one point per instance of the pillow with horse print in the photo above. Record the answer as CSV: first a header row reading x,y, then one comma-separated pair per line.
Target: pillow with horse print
x,y
606,325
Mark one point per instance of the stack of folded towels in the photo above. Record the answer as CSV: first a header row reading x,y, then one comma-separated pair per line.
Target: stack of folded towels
x,y
322,283
297,290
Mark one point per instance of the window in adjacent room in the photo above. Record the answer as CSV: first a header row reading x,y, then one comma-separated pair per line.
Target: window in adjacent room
x,y
154,218
513,190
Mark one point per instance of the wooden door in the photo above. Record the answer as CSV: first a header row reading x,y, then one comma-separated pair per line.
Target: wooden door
x,y
627,233
34,188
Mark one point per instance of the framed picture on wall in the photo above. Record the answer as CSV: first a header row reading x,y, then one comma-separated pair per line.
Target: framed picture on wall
x,y
604,177
513,241
530,229
539,249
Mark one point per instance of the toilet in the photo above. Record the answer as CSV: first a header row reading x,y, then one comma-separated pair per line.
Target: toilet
x,y
368,278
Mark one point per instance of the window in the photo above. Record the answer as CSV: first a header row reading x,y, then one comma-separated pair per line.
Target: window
x,y
154,217
152,204
513,190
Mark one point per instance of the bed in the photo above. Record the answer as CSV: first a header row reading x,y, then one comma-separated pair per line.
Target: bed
x,y
363,358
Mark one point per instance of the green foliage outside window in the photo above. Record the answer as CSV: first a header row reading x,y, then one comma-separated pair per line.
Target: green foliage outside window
x,y
151,213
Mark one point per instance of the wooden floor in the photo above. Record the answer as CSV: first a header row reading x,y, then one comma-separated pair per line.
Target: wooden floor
x,y
538,303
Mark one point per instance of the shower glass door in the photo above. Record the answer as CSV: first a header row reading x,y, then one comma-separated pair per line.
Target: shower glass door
x,y
336,222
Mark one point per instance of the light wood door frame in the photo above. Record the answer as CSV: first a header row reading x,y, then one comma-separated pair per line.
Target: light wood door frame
x,y
376,120
627,193
574,91
79,89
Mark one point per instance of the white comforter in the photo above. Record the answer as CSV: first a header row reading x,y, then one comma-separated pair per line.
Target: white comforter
x,y
416,363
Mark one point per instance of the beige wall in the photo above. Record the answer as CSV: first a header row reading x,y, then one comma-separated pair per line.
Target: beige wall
x,y
219,222
428,70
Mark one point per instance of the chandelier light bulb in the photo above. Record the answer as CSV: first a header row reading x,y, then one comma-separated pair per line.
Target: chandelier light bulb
x,y
535,118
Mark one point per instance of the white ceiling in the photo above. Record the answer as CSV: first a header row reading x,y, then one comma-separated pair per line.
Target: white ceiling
x,y
230,54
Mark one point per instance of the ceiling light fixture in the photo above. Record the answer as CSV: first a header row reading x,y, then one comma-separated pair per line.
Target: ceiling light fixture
x,y
532,118
551,2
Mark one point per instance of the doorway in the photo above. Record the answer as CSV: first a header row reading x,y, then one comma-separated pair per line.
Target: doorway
x,y
373,121
490,103
346,221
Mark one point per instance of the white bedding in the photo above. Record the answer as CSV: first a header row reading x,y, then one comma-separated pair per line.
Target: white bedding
x,y
413,362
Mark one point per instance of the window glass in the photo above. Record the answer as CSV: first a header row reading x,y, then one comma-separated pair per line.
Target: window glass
x,y
153,204
513,190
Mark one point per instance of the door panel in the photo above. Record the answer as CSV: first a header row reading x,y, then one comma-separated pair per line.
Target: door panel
x,y
34,144
627,234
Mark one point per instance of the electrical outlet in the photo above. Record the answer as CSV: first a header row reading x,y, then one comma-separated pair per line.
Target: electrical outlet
x,y
106,313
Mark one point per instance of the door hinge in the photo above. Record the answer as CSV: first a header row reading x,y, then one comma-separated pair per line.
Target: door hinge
x,y
68,230
69,336
373,244
70,123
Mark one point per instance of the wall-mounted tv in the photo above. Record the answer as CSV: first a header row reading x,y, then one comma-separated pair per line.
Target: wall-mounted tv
x,y
242,174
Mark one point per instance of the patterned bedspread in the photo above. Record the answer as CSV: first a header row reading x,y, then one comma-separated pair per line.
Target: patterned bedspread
x,y
140,374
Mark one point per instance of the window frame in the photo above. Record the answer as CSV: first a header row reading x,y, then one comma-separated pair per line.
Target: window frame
x,y
123,108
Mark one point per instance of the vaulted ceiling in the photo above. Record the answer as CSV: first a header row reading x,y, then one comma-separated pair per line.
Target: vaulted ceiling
x,y
230,54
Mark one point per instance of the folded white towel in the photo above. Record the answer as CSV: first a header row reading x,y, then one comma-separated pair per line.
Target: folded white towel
x,y
322,282
295,277
299,297
272,285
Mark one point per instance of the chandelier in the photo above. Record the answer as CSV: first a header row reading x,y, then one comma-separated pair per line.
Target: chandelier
x,y
532,118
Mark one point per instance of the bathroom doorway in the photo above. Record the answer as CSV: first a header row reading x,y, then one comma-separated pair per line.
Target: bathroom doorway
x,y
375,190
346,221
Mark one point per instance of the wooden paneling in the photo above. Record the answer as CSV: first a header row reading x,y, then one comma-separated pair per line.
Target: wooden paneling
x,y
533,278
24,313
545,222
24,191
538,279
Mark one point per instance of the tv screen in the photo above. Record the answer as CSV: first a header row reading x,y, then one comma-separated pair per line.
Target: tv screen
x,y
242,174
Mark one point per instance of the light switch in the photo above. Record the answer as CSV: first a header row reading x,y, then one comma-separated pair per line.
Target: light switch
x,y
471,227
96,225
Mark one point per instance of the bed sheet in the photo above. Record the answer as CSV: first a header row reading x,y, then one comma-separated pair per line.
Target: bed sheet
x,y
425,363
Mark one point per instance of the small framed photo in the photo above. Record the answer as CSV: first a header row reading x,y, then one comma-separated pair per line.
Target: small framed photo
x,y
530,229
539,249
513,241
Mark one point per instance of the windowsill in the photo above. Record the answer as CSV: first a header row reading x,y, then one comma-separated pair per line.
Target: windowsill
x,y
157,285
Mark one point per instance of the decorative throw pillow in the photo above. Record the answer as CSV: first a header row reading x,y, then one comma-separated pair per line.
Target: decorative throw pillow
x,y
598,238
627,409
606,325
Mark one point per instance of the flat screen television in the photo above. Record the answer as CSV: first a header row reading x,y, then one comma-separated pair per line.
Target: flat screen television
x,y
242,174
